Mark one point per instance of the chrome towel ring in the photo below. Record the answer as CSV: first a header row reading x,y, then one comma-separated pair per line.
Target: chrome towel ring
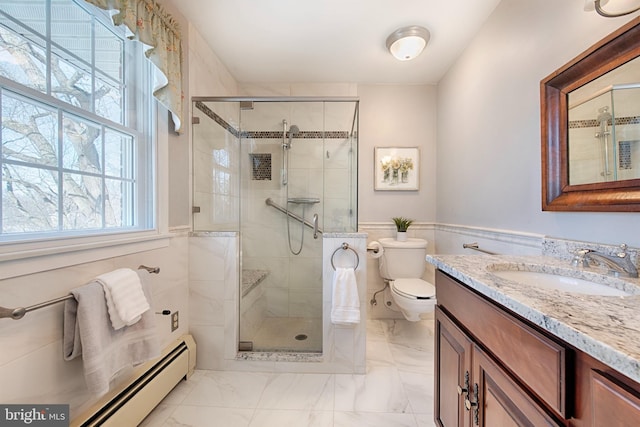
x,y
344,247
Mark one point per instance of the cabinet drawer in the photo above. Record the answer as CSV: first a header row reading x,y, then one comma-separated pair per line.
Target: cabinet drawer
x,y
535,359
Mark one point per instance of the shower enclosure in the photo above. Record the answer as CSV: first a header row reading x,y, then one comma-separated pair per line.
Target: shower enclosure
x,y
280,172
604,135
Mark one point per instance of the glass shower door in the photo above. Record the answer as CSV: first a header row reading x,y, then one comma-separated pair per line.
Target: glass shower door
x,y
281,203
277,172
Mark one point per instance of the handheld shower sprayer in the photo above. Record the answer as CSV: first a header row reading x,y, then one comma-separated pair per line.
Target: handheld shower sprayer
x,y
604,116
292,129
286,146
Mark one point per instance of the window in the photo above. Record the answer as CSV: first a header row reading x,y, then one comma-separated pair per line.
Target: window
x,y
75,104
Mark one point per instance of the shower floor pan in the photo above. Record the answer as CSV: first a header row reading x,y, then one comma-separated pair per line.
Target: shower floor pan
x,y
289,334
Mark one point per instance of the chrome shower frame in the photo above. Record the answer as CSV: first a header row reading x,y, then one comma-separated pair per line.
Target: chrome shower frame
x,y
252,135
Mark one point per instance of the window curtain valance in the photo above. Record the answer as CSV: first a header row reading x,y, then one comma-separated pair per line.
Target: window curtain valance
x,y
152,25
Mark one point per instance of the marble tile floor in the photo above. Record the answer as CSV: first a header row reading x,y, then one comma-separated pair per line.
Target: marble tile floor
x,y
397,390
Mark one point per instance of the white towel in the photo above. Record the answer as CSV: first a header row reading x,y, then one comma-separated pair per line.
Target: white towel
x,y
345,304
125,300
88,332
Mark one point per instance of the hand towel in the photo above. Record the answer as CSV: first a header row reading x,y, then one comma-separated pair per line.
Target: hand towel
x,y
88,332
345,304
125,299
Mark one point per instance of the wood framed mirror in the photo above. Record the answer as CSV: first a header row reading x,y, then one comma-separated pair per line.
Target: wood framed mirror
x,y
573,177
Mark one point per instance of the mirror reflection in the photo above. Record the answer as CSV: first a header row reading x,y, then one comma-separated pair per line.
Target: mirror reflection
x,y
604,127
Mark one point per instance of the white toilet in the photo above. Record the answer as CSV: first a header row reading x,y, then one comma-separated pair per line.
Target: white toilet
x,y
403,264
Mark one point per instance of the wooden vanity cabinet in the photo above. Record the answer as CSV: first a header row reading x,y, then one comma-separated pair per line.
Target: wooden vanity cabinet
x,y
473,390
494,369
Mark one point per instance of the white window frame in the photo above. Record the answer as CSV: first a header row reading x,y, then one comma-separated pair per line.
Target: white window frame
x,y
26,256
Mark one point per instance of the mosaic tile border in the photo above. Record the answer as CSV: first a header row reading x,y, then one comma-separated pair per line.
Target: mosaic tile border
x,y
593,123
298,135
265,356
216,118
268,134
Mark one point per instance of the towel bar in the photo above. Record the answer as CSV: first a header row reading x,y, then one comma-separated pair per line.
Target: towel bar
x,y
475,247
345,246
18,313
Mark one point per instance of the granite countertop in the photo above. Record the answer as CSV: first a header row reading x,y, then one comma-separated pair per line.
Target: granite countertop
x,y
251,279
605,327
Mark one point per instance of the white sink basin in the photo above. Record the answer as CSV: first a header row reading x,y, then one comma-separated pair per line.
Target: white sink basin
x,y
559,282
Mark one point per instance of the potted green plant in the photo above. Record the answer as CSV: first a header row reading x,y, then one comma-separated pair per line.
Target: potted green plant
x,y
401,226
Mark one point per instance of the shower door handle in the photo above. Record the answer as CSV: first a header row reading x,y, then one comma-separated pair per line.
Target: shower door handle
x,y
315,226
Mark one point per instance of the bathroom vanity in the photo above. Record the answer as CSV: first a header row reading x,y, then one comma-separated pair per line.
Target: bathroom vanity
x,y
508,354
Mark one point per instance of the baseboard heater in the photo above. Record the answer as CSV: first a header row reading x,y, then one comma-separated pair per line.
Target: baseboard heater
x,y
150,383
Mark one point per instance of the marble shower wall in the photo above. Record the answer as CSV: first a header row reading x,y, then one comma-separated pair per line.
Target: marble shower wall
x,y
213,296
216,166
214,310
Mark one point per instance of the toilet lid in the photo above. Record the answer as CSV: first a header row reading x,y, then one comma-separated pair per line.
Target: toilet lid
x,y
414,288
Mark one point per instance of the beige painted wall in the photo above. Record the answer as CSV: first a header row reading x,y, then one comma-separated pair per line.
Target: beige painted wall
x,y
489,123
178,171
397,116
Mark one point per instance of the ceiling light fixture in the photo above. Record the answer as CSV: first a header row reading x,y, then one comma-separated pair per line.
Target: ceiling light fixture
x,y
590,5
408,42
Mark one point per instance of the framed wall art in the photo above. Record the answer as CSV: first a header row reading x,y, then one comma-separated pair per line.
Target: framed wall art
x,y
396,168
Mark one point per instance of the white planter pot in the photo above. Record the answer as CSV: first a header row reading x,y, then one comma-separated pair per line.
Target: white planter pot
x,y
401,236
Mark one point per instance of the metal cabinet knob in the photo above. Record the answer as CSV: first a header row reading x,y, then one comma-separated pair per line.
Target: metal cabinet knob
x,y
469,404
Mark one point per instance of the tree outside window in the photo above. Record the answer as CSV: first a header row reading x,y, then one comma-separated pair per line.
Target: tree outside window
x,y
73,130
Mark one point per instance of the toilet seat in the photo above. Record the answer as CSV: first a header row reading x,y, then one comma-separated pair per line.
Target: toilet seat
x,y
417,289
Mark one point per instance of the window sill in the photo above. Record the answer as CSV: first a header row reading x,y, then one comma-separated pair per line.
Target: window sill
x,y
20,259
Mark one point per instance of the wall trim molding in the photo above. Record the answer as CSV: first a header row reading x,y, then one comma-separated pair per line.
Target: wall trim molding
x,y
532,240
391,226
520,238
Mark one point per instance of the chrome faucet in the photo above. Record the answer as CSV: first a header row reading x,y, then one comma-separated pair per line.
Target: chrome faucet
x,y
619,264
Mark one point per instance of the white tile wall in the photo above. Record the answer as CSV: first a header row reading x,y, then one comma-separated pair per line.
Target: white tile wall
x,y
31,361
213,301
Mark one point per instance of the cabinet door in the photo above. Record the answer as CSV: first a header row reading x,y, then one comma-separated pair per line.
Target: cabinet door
x,y
604,397
453,373
612,403
497,400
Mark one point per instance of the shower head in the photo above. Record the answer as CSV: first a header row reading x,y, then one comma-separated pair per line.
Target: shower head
x,y
603,114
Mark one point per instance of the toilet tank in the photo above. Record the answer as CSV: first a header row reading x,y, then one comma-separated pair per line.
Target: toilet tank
x,y
402,259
